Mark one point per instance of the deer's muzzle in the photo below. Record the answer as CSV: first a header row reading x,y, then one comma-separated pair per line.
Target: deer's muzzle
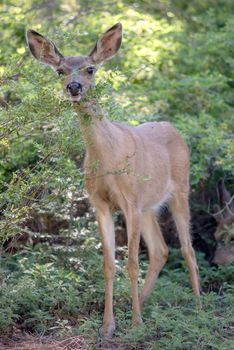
x,y
74,88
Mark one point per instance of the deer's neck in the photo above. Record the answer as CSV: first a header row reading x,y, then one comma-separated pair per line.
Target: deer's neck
x,y
98,132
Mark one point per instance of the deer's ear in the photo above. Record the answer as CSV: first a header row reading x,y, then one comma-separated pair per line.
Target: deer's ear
x,y
107,46
43,49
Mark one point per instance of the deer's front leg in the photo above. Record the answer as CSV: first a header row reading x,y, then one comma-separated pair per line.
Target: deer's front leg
x,y
133,228
107,233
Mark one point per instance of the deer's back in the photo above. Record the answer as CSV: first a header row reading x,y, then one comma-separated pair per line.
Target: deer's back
x,y
149,163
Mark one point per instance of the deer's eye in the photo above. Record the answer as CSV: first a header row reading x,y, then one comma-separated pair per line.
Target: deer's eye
x,y
90,70
60,72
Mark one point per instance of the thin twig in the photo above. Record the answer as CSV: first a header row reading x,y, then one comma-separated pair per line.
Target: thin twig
x,y
227,204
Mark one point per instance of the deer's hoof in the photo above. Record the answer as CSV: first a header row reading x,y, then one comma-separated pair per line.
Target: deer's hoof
x,y
108,330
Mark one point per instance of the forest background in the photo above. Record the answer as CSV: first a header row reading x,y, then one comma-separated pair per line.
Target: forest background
x,y
176,63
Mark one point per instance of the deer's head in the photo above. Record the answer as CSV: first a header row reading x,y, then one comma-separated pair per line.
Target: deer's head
x,y
77,72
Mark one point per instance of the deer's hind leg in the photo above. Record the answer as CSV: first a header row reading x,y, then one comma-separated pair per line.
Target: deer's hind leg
x,y
180,210
158,251
133,229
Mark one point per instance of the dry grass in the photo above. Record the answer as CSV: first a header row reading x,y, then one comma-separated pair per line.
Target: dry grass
x,y
34,342
27,341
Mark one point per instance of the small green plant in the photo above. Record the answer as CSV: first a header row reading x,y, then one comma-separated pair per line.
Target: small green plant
x,y
61,291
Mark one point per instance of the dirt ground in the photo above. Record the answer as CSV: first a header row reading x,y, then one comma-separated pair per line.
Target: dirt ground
x,y
27,341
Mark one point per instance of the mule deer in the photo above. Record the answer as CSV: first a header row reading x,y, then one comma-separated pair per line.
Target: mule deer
x,y
224,216
137,170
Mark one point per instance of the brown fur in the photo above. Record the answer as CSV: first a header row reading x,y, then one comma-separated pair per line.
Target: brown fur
x,y
135,169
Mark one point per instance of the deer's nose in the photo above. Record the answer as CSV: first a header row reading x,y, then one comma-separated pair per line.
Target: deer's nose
x,y
74,88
